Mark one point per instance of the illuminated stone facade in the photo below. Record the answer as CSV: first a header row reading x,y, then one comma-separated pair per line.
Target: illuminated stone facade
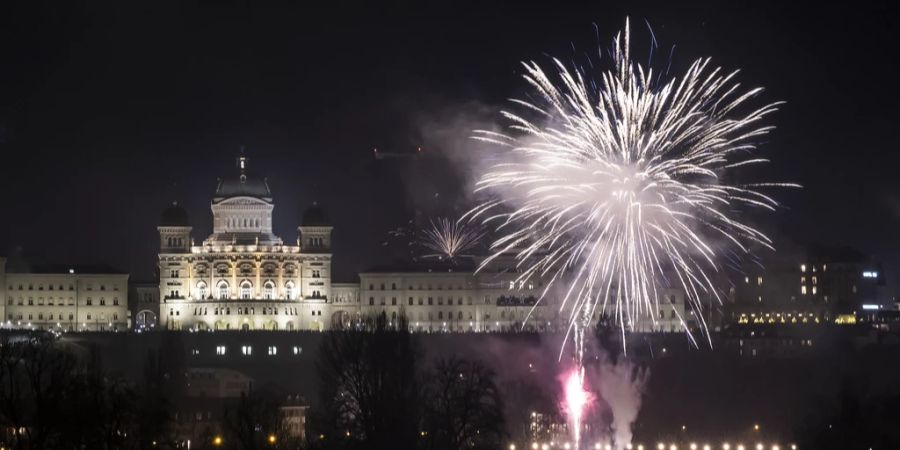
x,y
65,298
243,276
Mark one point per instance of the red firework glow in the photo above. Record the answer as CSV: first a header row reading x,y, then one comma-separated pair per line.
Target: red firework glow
x,y
576,401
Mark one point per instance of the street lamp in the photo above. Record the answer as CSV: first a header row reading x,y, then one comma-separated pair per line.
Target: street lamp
x,y
272,439
217,441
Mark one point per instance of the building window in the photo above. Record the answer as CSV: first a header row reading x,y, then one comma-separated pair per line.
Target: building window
x,y
289,291
297,350
272,350
759,281
223,291
269,291
220,350
803,290
246,288
201,290
246,350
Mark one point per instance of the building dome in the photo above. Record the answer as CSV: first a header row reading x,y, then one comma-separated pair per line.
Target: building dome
x,y
174,216
243,184
314,216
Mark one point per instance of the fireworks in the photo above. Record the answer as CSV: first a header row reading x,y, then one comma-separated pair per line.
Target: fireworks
x,y
450,239
576,400
619,186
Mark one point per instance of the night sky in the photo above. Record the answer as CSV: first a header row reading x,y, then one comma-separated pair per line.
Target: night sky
x,y
109,112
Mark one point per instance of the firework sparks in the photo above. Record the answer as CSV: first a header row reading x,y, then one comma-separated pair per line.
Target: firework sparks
x,y
576,401
617,187
450,239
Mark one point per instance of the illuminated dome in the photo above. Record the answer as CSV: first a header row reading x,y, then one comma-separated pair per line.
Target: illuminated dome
x,y
314,216
174,216
243,185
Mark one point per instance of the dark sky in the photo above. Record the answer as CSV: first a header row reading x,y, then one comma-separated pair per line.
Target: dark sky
x,y
111,110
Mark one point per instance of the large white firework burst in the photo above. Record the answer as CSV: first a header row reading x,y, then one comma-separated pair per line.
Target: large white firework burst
x,y
450,239
614,187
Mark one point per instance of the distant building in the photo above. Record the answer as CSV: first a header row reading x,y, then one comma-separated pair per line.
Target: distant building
x,y
243,276
294,411
70,298
143,304
824,286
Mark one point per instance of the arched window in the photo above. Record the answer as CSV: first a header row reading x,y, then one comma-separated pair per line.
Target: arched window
x,y
223,290
289,290
201,290
246,290
269,290
257,223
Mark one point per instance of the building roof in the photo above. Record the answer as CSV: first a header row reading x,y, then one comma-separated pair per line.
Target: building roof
x,y
243,184
91,269
460,265
174,216
315,216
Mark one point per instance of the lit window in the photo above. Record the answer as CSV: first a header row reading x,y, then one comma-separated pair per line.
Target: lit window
x,y
223,291
201,290
269,291
803,290
297,350
245,290
246,350
814,290
273,350
747,280
289,291
814,280
803,267
220,350
759,281
802,280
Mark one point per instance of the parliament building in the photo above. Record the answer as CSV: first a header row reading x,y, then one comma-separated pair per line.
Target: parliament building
x,y
244,277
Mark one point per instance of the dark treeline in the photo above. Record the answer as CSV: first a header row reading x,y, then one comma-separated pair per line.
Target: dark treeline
x,y
58,396
378,392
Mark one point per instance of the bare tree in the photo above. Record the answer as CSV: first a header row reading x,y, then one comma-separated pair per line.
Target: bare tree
x,y
369,396
463,407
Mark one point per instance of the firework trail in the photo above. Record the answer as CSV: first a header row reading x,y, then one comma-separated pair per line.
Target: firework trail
x,y
615,185
449,238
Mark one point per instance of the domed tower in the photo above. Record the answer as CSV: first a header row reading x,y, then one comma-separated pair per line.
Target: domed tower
x,y
242,210
174,230
315,231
